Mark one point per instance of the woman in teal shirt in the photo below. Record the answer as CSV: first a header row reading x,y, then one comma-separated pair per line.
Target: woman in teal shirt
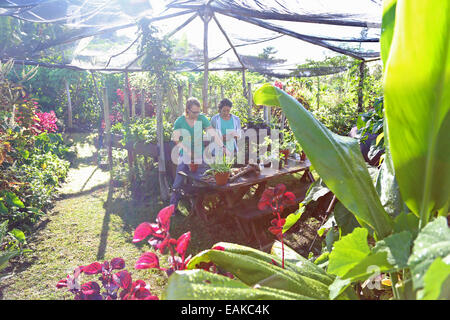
x,y
228,125
188,136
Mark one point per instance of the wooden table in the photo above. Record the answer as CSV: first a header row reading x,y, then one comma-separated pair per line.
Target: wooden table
x,y
240,197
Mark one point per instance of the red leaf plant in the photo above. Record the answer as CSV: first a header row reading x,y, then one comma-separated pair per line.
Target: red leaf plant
x,y
45,122
111,282
277,199
160,240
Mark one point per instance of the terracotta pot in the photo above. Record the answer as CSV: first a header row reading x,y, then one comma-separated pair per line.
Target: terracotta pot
x,y
286,153
222,178
303,156
193,167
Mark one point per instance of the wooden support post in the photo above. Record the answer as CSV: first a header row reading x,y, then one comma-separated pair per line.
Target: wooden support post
x,y
69,106
250,99
163,184
142,104
266,114
133,104
318,92
206,18
180,100
190,90
107,131
244,83
361,87
126,100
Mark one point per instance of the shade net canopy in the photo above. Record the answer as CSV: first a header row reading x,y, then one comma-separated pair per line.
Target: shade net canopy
x,y
271,37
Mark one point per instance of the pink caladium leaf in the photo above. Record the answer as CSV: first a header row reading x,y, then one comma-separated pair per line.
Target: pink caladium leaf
x,y
143,294
266,199
117,263
147,261
93,268
164,215
289,198
279,189
90,288
161,245
220,248
62,283
123,278
142,231
183,243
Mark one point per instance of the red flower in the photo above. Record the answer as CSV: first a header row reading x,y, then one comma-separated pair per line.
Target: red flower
x,y
278,84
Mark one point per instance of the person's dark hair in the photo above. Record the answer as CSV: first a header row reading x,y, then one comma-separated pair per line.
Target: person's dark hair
x,y
225,102
192,102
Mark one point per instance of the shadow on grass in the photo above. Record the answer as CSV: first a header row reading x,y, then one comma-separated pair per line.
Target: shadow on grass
x,y
134,212
82,193
105,225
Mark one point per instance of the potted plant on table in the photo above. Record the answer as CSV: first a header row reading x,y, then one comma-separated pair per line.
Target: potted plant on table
x,y
221,171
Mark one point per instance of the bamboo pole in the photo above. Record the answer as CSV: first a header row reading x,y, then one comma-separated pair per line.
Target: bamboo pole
x,y
189,90
69,105
126,100
250,100
163,184
133,104
142,104
180,100
206,17
360,87
244,83
107,130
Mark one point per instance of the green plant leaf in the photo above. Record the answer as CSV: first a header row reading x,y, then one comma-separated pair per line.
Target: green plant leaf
x,y
345,220
6,256
3,208
437,281
388,190
299,264
292,218
338,286
337,159
348,252
18,235
417,104
13,200
387,28
432,242
254,267
352,258
202,285
407,222
397,247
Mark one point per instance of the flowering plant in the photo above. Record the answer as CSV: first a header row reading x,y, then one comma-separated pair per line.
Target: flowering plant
x,y
277,199
111,282
45,122
160,240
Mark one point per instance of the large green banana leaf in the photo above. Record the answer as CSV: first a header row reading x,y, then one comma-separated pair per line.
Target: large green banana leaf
x,y
203,285
417,103
337,159
254,267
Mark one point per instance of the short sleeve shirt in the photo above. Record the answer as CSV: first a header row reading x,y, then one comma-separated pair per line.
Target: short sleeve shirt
x,y
193,134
